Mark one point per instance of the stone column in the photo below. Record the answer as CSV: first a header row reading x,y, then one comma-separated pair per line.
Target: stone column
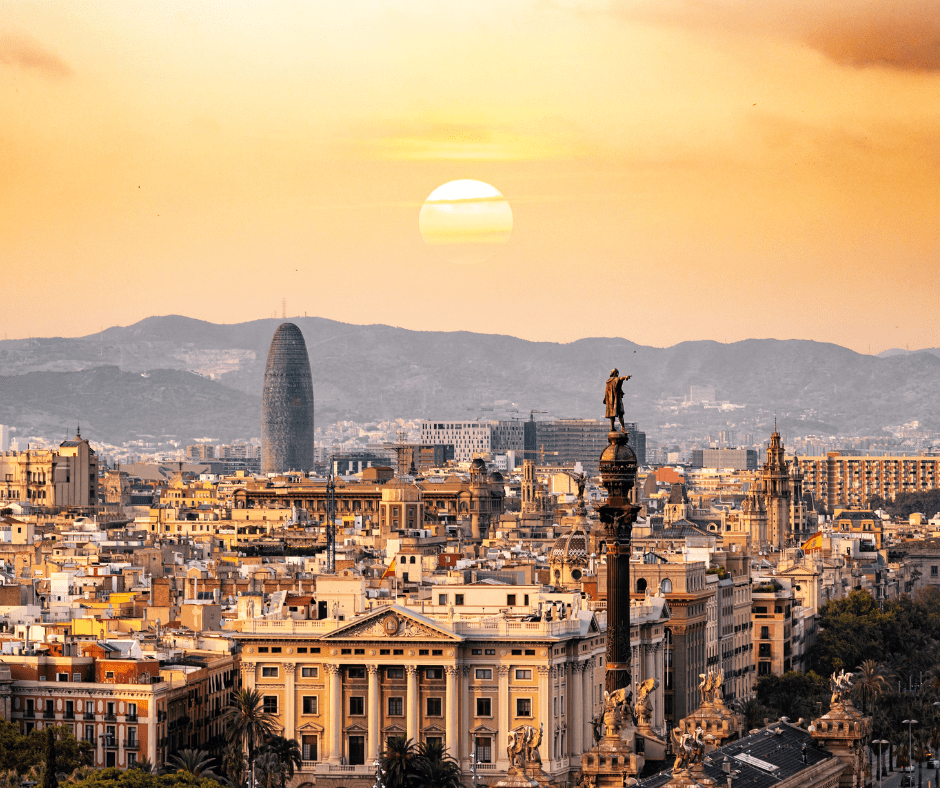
x,y
290,702
502,711
587,731
335,722
578,710
412,701
546,674
465,714
248,675
451,736
375,701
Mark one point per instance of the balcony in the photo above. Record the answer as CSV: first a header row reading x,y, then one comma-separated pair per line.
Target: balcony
x,y
88,715
336,768
48,714
69,715
111,717
132,744
130,718
29,713
109,741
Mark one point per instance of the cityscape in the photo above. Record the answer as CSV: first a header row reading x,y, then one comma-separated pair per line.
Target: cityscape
x,y
532,394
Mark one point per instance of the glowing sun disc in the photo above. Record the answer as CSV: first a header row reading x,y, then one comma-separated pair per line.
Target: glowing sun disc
x,y
465,221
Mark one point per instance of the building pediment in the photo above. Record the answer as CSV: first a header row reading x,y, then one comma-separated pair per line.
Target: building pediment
x,y
311,727
484,730
394,728
356,727
393,622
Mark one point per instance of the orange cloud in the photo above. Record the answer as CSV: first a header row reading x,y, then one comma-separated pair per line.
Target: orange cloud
x,y
903,35
17,49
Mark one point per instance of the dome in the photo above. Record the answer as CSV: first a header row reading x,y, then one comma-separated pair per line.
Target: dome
x,y
496,476
570,548
478,464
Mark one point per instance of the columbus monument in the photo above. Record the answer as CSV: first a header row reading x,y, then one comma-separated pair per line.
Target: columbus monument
x,y
287,404
614,761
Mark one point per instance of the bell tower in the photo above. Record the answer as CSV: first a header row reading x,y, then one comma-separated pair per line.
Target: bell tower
x,y
775,477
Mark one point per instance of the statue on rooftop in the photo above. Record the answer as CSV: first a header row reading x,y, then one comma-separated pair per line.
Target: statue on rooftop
x,y
613,399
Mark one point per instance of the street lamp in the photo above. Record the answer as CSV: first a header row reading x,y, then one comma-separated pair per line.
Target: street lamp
x,y
378,774
881,773
910,745
473,767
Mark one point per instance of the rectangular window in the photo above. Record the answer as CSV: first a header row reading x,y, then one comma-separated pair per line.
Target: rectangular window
x,y
484,673
90,734
309,673
434,707
523,707
269,673
434,673
76,677
489,652
270,704
933,571
395,707
476,651
458,599
357,750
357,706
394,673
355,673
484,707
309,748
61,676
523,675
484,749
442,599
310,705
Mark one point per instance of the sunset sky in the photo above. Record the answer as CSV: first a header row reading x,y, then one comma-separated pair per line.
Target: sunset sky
x,y
676,169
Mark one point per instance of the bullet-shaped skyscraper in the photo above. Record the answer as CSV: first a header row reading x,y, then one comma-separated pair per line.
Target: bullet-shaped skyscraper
x,y
287,404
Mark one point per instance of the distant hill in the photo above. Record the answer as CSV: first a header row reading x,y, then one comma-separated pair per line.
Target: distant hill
x,y
205,379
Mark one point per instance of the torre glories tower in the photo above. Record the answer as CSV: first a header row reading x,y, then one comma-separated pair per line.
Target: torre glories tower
x,y
287,404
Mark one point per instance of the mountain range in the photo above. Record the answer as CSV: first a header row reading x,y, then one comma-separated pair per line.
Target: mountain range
x,y
178,377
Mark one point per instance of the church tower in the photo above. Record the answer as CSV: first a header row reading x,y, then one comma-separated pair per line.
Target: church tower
x,y
775,477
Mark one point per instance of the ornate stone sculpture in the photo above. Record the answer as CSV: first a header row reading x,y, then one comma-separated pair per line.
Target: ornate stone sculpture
x,y
840,684
618,709
643,708
523,746
689,749
613,399
710,687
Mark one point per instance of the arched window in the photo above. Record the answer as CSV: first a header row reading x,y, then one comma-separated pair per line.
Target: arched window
x,y
641,585
666,586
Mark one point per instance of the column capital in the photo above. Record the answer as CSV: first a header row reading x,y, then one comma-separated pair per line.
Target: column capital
x,y
412,670
247,667
466,669
373,669
578,666
290,667
503,670
452,670
544,670
332,668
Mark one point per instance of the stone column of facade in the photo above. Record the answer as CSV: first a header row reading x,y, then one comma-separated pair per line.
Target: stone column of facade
x,y
290,702
334,750
412,724
578,710
375,701
587,697
465,715
502,702
451,736
545,713
248,675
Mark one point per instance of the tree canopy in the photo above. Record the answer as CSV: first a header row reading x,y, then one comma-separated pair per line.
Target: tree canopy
x,y
138,778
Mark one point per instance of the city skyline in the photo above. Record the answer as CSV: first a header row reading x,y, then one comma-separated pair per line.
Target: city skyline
x,y
723,170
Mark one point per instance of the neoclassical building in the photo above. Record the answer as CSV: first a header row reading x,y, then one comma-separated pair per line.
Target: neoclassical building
x,y
343,688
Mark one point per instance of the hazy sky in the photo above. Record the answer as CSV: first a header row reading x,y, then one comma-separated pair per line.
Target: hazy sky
x,y
677,169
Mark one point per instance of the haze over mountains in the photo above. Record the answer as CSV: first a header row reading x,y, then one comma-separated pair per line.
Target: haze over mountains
x,y
176,376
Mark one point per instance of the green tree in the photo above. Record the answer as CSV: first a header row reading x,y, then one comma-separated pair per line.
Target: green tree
x,y
49,779
247,722
287,752
196,762
870,682
20,752
851,631
137,778
434,768
268,770
398,762
753,712
234,765
793,694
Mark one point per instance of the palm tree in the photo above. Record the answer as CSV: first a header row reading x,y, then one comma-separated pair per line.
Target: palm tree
x,y
398,762
870,682
435,768
287,751
753,712
247,722
233,764
196,762
146,765
269,771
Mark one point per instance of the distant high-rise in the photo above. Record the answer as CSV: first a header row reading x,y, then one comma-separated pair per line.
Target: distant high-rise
x,y
287,404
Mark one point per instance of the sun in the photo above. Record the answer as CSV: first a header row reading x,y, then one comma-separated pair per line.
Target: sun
x,y
465,221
